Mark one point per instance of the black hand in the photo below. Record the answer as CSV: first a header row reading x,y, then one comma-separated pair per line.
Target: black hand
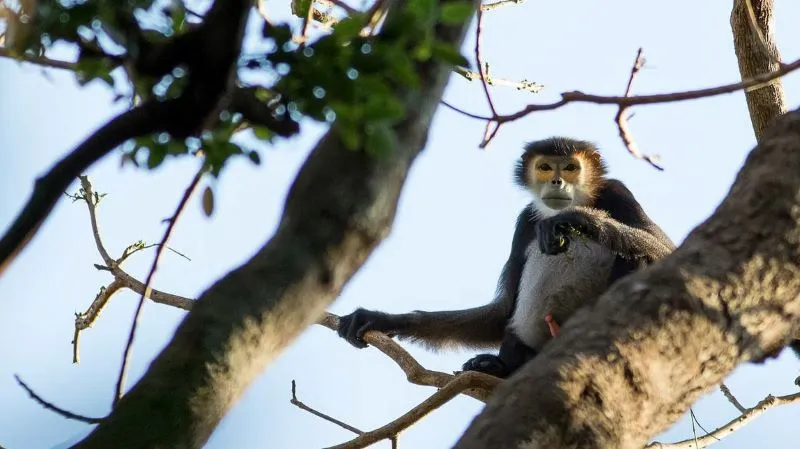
x,y
353,326
553,236
554,233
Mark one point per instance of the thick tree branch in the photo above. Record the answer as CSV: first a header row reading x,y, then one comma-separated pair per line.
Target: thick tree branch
x,y
47,190
340,207
212,70
756,53
662,337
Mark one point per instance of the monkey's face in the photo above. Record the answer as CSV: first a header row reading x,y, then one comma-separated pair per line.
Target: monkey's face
x,y
557,181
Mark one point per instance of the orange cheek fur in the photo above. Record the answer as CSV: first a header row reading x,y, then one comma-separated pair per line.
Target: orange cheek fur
x,y
542,176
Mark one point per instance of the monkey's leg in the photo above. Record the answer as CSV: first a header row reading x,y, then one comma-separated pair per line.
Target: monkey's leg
x,y
552,325
513,354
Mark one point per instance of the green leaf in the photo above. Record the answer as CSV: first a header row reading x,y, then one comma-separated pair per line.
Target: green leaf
x,y
156,156
254,157
88,69
422,9
300,7
456,12
348,28
381,139
208,201
445,51
349,134
386,108
262,133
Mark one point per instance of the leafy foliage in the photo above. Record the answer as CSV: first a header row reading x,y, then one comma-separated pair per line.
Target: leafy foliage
x,y
344,78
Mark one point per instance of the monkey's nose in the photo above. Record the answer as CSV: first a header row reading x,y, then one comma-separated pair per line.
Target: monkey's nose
x,y
557,181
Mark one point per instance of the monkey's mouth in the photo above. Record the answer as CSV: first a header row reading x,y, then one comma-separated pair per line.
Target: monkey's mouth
x,y
557,198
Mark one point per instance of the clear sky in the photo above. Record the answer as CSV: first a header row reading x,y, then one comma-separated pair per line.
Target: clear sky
x,y
450,239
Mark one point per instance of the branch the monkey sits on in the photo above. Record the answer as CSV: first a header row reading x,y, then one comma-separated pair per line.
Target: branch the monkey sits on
x,y
580,233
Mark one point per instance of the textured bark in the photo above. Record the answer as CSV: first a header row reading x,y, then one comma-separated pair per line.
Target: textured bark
x,y
340,207
756,57
626,369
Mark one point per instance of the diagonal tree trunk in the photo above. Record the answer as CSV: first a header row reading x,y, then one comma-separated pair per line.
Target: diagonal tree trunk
x,y
340,207
624,370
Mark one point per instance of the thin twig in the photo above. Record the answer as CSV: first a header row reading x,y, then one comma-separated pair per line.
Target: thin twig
x,y
50,406
416,373
121,280
172,222
459,383
731,398
463,112
500,4
85,320
488,133
731,426
530,86
294,401
622,121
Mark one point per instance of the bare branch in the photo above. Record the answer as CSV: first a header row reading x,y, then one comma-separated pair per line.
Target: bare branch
x,y
530,86
50,406
121,280
500,4
580,97
731,398
460,383
483,70
415,373
92,200
463,112
302,406
85,320
147,285
622,120
731,426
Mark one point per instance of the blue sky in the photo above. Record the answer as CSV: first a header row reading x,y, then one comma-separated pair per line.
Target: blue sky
x,y
450,239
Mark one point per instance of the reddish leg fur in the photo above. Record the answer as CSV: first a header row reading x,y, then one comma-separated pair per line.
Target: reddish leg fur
x,y
551,323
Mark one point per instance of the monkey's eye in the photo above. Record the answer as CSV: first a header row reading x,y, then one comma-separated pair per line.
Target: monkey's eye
x,y
571,167
545,167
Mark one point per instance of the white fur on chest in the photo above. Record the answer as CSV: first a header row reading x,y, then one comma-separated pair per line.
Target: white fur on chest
x,y
575,275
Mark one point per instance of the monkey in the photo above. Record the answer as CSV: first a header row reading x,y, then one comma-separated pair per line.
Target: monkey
x,y
579,234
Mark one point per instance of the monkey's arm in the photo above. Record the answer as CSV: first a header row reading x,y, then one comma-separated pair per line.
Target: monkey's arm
x,y
477,327
616,221
624,240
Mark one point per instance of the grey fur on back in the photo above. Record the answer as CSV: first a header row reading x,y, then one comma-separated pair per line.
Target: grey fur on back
x,y
558,285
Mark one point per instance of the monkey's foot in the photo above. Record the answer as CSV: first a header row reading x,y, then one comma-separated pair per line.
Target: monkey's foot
x,y
551,323
487,364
